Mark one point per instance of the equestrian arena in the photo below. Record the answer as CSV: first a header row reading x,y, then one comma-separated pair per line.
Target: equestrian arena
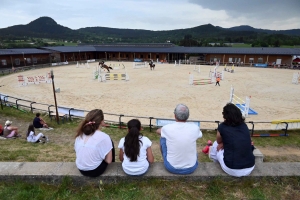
x,y
155,93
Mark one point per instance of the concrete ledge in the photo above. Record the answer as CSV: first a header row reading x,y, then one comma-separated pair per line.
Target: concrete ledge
x,y
54,172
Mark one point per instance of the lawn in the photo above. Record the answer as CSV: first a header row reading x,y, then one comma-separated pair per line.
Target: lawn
x,y
60,148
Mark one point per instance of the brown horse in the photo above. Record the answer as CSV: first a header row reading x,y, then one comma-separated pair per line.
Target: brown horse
x,y
102,65
151,65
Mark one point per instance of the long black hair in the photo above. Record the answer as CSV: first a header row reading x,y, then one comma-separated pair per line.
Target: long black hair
x,y
132,142
30,128
232,115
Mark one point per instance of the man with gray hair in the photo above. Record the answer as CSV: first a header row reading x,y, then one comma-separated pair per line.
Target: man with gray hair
x,y
178,143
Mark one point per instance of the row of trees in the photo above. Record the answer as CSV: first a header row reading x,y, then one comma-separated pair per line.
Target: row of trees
x,y
261,41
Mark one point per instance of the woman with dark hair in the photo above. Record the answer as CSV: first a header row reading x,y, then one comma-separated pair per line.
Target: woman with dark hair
x,y
31,137
135,150
233,149
94,148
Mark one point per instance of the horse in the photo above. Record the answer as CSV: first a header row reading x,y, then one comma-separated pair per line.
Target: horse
x,y
102,65
151,65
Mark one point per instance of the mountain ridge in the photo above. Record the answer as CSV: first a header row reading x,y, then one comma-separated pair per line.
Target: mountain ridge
x,y
46,27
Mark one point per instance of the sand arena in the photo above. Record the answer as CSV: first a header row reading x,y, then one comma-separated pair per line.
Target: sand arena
x,y
156,93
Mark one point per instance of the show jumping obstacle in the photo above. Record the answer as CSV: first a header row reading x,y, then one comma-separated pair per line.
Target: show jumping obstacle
x,y
215,74
296,78
197,69
115,77
244,106
138,65
83,65
193,81
34,79
229,70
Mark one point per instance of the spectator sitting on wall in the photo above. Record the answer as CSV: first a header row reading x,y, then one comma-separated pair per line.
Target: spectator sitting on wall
x,y
38,122
178,143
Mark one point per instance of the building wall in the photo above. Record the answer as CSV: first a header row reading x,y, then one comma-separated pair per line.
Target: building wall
x,y
234,58
76,56
9,61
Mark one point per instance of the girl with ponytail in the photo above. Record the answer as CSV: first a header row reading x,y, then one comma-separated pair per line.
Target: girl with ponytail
x,y
135,150
94,148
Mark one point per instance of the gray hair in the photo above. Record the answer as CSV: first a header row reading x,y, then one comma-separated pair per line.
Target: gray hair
x,y
182,112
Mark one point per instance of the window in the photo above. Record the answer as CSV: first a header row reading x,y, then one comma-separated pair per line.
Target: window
x,y
3,62
127,56
28,60
251,60
230,60
34,60
149,56
157,56
259,60
17,61
142,56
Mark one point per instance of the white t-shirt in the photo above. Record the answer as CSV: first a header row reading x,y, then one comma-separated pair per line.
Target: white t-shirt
x,y
141,165
181,144
90,155
34,138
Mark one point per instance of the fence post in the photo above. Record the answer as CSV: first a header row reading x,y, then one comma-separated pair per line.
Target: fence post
x,y
120,122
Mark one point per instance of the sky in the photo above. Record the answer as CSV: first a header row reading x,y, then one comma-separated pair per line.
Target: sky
x,y
154,14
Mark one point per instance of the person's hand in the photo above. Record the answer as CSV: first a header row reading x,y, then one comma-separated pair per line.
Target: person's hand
x,y
220,147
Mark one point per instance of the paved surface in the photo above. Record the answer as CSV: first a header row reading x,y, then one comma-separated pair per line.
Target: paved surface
x,y
53,172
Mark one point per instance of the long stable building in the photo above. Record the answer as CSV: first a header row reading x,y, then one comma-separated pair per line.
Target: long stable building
x,y
165,52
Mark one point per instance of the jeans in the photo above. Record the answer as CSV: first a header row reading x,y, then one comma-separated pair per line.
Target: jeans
x,y
168,166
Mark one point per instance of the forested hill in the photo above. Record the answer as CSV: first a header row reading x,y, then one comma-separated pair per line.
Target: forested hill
x,y
47,28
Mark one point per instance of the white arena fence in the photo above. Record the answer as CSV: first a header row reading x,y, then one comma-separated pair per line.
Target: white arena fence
x,y
119,120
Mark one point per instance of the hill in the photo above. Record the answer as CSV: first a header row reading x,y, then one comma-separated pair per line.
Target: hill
x,y
46,27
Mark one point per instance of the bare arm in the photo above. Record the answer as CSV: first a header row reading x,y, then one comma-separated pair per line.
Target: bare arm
x,y
219,141
158,131
121,155
150,156
108,157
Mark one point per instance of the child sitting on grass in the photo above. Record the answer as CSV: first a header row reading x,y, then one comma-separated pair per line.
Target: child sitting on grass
x,y
31,137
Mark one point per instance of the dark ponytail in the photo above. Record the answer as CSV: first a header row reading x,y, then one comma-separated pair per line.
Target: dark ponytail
x,y
132,142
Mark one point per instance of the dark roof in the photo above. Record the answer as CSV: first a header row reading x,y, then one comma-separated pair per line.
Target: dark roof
x,y
203,50
21,51
159,48
132,45
70,49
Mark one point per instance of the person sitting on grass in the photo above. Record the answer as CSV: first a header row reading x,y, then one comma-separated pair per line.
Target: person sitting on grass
x,y
135,150
38,122
94,149
178,143
233,148
31,137
10,131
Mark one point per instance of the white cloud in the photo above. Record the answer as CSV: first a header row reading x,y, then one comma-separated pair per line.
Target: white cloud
x,y
154,14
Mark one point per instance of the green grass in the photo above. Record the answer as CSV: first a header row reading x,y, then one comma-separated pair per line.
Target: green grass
x,y
250,188
61,146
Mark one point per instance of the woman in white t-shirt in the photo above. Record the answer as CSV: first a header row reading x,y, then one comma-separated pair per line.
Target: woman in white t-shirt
x,y
94,148
31,137
135,150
